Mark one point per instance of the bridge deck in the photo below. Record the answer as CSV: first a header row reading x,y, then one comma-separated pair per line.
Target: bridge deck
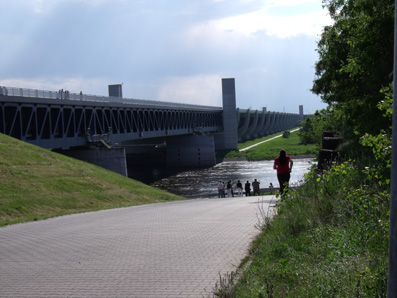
x,y
49,120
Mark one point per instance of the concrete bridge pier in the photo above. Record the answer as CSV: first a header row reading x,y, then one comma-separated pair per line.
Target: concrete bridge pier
x,y
258,129
191,151
241,132
112,159
228,139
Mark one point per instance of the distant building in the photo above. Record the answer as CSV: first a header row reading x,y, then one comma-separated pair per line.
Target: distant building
x,y
115,90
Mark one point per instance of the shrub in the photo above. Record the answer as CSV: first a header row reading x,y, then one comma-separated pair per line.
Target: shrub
x,y
328,239
286,134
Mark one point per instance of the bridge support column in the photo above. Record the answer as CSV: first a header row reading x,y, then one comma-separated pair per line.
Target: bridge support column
x,y
301,115
191,151
111,159
229,138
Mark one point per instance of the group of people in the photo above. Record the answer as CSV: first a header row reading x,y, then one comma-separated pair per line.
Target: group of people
x,y
282,164
255,188
227,190
63,94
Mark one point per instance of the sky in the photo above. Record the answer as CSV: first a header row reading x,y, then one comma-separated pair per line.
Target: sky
x,y
166,50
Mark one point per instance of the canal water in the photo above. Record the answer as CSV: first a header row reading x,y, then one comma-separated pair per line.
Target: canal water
x,y
203,182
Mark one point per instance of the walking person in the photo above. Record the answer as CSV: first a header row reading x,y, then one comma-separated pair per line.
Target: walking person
x,y
239,188
247,189
255,187
283,164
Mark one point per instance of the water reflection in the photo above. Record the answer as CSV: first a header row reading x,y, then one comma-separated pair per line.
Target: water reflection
x,y
203,182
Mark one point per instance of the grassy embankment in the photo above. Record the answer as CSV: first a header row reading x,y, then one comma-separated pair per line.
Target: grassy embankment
x,y
37,184
319,244
269,150
328,238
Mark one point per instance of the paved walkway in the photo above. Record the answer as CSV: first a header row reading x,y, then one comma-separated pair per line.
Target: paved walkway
x,y
175,249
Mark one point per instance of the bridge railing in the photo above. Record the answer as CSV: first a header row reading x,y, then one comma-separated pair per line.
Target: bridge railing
x,y
64,94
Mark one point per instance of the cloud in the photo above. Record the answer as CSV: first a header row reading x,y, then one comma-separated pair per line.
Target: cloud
x,y
276,18
200,89
282,27
290,2
247,25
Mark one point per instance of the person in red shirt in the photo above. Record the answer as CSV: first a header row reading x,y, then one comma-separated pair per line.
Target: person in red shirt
x,y
283,164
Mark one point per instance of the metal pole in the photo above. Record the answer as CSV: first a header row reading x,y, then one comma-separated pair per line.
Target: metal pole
x,y
392,276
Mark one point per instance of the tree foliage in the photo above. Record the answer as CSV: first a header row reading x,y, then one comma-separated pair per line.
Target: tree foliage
x,y
381,143
313,127
355,63
286,134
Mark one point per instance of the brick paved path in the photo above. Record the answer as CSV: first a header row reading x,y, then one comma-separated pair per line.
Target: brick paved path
x,y
175,249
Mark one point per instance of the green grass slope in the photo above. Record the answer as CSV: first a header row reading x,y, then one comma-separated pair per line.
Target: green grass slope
x,y
36,184
271,149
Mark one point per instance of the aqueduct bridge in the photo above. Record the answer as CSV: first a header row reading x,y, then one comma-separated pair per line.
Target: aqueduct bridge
x,y
102,130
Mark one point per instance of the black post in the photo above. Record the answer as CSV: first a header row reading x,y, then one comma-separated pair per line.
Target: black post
x,y
392,276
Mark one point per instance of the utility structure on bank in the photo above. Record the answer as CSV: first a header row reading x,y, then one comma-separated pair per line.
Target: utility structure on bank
x,y
392,273
104,130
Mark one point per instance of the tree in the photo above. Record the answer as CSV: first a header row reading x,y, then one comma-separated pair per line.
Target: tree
x,y
313,127
286,134
355,63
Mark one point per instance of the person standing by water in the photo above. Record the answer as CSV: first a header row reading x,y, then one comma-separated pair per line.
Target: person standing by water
x,y
229,189
283,164
247,189
255,186
221,190
239,188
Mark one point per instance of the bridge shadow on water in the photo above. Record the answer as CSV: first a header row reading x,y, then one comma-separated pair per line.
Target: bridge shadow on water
x,y
149,167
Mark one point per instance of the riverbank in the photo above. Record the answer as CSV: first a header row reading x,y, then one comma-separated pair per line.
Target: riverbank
x,y
244,158
263,149
267,191
203,183
267,140
329,238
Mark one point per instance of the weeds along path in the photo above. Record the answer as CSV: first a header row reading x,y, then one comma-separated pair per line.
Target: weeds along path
x,y
175,249
279,136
